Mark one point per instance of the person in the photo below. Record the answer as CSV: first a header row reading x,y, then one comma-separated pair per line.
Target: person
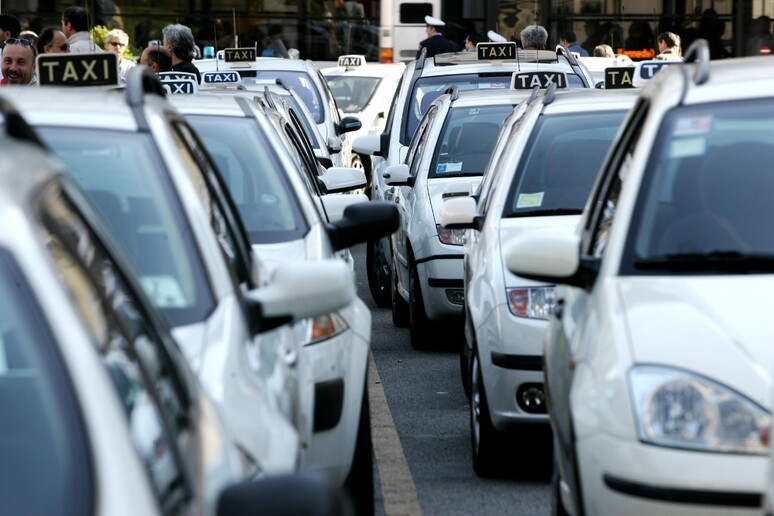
x,y
18,64
534,37
712,28
52,41
495,37
31,37
157,58
603,51
435,42
569,40
180,42
761,42
10,27
348,9
471,40
75,25
669,47
116,41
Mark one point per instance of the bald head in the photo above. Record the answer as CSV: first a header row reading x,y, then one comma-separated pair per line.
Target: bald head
x,y
157,58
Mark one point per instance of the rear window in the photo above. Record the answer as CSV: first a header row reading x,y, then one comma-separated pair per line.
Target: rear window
x,y
299,82
415,12
352,93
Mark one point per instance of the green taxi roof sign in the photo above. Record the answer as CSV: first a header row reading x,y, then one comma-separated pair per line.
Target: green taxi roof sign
x,y
489,51
86,69
239,55
618,77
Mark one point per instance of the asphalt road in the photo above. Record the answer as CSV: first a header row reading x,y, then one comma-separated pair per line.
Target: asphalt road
x,y
421,433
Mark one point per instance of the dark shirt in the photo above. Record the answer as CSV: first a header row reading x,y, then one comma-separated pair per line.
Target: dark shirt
x,y
437,44
188,66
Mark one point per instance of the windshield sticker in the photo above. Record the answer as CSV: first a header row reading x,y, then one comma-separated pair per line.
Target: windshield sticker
x,y
693,125
493,86
164,291
687,147
530,200
449,167
473,111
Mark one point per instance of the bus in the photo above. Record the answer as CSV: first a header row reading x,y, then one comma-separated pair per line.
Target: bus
x,y
402,27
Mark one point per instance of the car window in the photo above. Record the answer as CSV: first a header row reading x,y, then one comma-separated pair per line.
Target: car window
x,y
255,178
707,192
393,107
123,176
561,163
43,442
153,399
414,155
332,107
298,81
352,93
466,140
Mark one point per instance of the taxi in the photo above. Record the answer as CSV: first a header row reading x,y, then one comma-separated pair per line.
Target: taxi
x,y
363,90
154,200
423,81
303,77
659,384
90,379
542,178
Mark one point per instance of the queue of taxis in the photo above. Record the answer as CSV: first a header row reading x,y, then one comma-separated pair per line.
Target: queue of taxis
x,y
91,380
423,81
658,357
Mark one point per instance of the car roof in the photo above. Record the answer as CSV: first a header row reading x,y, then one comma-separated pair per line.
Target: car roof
x,y
260,63
588,99
490,97
369,70
213,103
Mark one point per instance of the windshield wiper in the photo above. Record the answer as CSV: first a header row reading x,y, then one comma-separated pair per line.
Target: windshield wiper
x,y
732,261
544,213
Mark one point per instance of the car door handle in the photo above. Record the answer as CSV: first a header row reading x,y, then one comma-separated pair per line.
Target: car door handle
x,y
397,200
291,357
559,308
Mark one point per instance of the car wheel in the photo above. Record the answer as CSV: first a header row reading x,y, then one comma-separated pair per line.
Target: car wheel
x,y
484,438
400,309
419,324
360,481
363,163
378,274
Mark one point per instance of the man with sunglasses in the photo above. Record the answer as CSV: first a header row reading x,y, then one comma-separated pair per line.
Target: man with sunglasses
x,y
18,63
75,25
10,27
116,41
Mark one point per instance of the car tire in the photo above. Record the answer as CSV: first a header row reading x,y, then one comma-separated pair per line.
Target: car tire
x,y
378,273
400,308
419,325
485,439
360,482
363,163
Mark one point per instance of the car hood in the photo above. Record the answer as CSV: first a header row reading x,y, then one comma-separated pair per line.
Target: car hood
x,y
436,186
716,326
514,227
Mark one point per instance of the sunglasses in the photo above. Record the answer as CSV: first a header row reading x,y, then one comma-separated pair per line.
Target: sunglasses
x,y
65,47
116,44
17,41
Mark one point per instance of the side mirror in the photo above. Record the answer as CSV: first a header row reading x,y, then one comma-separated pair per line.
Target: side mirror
x,y
363,222
300,494
342,179
456,189
297,291
349,124
460,213
397,175
333,144
551,255
335,205
325,162
368,144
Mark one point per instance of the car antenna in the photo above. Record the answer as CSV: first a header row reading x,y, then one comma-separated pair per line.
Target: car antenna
x,y
234,22
215,32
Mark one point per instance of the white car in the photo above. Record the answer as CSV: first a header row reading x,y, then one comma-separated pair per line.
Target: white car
x,y
658,356
450,148
423,81
541,179
287,226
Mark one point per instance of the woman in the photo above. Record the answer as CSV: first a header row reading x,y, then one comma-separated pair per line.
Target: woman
x,y
52,41
669,47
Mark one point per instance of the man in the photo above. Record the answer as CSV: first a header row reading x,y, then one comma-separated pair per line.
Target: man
x,y
471,40
10,27
157,58
435,42
18,63
568,39
180,42
116,41
75,25
534,37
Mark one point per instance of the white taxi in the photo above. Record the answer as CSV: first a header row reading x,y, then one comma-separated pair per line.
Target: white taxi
x,y
658,359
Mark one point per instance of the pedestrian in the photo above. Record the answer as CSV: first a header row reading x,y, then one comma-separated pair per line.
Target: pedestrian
x,y
435,43
471,40
18,64
75,25
180,42
569,40
52,41
669,47
116,41
534,37
603,51
157,58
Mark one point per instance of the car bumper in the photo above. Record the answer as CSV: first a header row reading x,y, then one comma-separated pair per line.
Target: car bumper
x,y
441,280
511,355
628,477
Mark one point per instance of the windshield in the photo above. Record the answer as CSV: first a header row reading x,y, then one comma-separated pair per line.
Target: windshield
x,y
705,203
299,82
255,178
466,141
123,176
352,93
557,171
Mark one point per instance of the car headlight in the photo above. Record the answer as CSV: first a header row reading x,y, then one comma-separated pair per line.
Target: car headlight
x,y
316,329
679,409
531,302
450,236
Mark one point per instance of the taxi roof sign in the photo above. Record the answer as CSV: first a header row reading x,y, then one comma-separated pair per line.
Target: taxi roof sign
x,y
646,70
351,61
619,77
221,78
86,69
490,51
541,79
179,82
239,55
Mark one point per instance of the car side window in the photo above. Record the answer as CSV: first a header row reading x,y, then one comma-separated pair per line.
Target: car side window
x,y
153,395
334,109
393,108
415,152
